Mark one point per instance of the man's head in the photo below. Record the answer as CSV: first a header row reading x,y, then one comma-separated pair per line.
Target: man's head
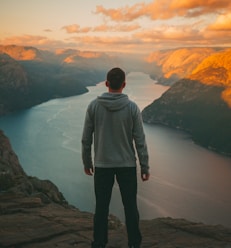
x,y
116,79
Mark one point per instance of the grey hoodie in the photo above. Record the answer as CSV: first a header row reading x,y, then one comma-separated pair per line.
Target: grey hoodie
x,y
114,123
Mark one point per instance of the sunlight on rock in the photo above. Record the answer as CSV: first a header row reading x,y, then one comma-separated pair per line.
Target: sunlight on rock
x,y
226,96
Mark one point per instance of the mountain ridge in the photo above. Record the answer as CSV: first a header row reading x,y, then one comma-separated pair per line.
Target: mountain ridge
x,y
49,75
43,75
200,79
199,104
174,64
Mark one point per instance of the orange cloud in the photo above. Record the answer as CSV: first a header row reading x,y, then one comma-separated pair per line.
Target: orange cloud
x,y
192,8
75,28
164,9
110,43
26,39
116,28
183,35
33,40
223,23
124,14
47,30
101,28
158,37
103,40
171,34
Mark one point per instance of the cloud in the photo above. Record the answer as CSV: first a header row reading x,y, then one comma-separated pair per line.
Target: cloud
x,y
48,30
75,28
191,8
164,9
171,35
110,43
26,39
132,37
116,28
104,40
222,23
146,41
123,14
33,40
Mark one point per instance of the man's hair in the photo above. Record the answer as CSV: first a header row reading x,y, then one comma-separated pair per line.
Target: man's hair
x,y
115,78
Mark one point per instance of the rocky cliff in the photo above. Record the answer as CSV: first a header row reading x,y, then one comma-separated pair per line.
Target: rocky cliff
x,y
33,213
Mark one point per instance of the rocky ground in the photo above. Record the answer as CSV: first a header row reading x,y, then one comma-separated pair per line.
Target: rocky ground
x,y
33,213
29,222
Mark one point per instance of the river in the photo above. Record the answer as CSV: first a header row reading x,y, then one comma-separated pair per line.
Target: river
x,y
187,181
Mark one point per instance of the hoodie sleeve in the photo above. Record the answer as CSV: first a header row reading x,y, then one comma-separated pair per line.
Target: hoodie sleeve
x,y
87,138
140,142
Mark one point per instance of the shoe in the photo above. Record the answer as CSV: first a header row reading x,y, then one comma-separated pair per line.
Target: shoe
x,y
97,246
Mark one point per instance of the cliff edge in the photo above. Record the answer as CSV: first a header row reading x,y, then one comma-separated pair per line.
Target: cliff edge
x,y
33,213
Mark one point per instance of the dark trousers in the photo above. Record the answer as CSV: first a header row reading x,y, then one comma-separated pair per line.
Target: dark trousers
x,y
103,182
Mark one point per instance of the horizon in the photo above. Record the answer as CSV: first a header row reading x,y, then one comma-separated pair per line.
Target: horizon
x,y
138,27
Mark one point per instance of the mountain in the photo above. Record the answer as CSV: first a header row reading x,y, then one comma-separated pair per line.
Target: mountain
x,y
48,75
168,66
216,70
30,76
21,52
14,86
199,104
34,213
25,83
12,73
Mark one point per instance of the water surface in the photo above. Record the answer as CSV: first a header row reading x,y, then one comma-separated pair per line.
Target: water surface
x,y
187,181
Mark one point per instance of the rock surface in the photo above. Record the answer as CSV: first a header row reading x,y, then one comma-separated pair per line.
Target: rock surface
x,y
28,222
33,213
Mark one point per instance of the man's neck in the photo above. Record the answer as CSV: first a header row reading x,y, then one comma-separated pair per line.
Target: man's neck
x,y
114,91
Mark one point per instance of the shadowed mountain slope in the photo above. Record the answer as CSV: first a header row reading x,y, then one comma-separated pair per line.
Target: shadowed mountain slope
x,y
199,104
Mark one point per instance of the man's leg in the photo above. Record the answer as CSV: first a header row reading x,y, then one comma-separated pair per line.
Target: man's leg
x,y
103,181
127,180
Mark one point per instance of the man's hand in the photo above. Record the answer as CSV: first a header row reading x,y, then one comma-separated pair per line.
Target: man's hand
x,y
145,173
89,171
145,176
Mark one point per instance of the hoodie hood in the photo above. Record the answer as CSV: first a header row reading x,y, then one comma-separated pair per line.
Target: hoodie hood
x,y
113,101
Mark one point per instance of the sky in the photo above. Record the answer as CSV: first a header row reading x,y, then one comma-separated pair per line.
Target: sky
x,y
132,26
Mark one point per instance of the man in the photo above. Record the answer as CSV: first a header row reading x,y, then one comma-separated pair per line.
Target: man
x,y
114,123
